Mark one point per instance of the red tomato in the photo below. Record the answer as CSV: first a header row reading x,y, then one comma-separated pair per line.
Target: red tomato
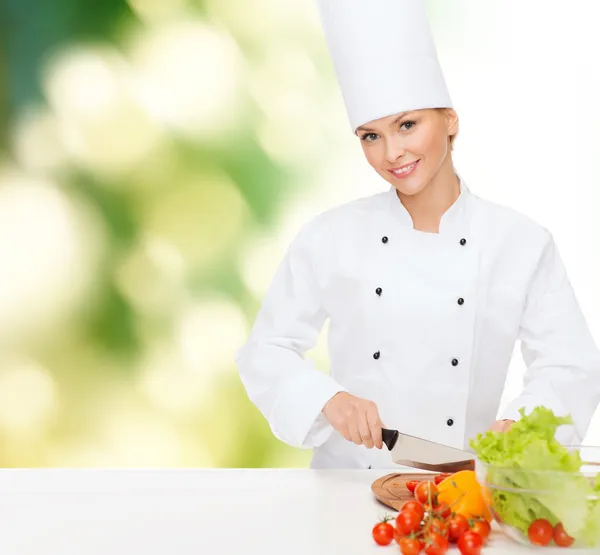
x,y
457,526
435,544
470,543
483,528
440,478
411,485
426,492
443,510
540,532
561,538
414,506
407,522
410,546
383,533
438,526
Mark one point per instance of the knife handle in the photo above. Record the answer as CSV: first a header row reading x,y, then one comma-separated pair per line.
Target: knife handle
x,y
389,437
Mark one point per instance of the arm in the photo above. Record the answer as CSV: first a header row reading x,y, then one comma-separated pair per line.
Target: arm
x,y
288,390
563,362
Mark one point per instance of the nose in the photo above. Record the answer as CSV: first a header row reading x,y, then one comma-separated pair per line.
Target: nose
x,y
394,149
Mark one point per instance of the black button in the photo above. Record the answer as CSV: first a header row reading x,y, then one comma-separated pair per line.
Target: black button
x,y
463,242
461,301
450,422
378,291
376,355
384,239
454,362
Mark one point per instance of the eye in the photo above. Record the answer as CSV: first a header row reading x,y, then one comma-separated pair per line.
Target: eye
x,y
410,123
366,139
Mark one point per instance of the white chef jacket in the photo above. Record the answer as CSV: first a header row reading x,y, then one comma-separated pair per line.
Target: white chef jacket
x,y
423,324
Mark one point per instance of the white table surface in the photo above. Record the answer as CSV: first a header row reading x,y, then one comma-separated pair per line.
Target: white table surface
x,y
185,512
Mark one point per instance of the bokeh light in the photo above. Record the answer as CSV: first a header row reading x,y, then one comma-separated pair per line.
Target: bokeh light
x,y
188,77
51,246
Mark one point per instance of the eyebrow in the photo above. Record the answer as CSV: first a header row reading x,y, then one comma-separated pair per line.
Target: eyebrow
x,y
403,114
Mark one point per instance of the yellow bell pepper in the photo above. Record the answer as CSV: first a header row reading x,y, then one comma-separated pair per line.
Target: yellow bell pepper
x,y
465,496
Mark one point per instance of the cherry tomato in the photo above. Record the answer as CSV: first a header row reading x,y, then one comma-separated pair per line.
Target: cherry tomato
x,y
470,543
435,544
438,526
540,532
426,492
410,546
457,526
414,506
483,528
440,478
443,510
383,533
407,522
411,485
561,538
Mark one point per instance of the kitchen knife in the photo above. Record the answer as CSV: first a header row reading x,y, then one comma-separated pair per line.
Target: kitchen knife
x,y
427,455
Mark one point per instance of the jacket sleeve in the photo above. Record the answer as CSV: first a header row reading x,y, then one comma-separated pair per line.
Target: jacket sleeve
x,y
563,362
287,389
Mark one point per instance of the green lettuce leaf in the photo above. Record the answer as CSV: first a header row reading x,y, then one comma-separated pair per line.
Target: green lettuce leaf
x,y
528,457
591,532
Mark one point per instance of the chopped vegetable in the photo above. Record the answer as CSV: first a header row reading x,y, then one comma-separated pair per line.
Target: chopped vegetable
x,y
462,493
440,478
561,538
411,485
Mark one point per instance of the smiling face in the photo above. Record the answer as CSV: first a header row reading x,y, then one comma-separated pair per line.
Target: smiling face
x,y
409,149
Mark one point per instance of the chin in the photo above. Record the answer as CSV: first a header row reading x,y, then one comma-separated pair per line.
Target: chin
x,y
406,187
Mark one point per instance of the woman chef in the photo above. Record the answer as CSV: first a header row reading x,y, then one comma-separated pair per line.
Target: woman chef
x,y
427,286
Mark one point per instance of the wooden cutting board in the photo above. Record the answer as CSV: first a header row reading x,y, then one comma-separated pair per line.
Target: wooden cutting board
x,y
391,488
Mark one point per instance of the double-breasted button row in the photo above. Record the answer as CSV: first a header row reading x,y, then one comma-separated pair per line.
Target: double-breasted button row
x,y
460,301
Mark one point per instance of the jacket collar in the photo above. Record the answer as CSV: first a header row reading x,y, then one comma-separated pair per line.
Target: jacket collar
x,y
452,219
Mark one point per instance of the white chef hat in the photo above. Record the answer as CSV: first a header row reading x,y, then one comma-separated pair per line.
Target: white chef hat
x,y
384,57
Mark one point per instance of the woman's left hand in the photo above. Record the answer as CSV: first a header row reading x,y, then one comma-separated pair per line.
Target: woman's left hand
x,y
501,425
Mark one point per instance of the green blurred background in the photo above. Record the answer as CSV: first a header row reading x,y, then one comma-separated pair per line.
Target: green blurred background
x,y
153,158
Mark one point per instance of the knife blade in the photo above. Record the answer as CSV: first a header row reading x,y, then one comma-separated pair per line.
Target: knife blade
x,y
421,453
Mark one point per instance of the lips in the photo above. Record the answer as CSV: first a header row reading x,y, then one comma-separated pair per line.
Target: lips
x,y
406,172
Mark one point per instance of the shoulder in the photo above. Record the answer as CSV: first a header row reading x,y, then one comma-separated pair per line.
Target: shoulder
x,y
343,217
507,223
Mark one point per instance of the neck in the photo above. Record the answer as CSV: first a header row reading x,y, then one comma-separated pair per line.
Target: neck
x,y
427,207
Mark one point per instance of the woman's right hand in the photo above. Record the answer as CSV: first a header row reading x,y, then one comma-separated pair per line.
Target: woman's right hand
x,y
355,418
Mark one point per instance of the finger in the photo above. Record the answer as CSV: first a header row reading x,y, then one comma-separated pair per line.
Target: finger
x,y
498,426
375,426
364,430
345,432
354,431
